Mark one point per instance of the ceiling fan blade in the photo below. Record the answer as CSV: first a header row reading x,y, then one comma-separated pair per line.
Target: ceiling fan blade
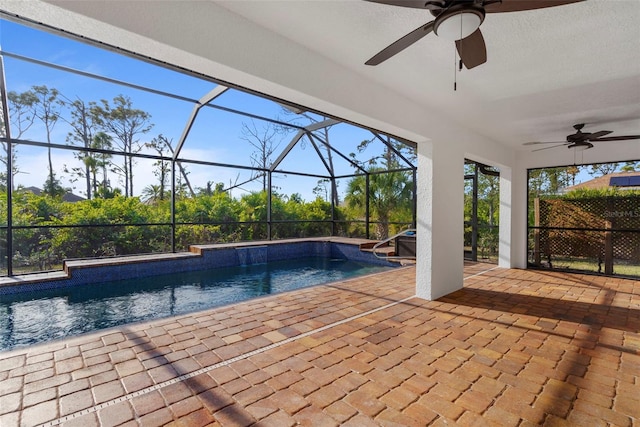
x,y
417,4
472,50
596,135
401,44
548,148
617,138
547,142
520,5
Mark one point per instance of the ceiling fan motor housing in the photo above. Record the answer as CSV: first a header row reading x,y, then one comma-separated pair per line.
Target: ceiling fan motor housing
x,y
579,137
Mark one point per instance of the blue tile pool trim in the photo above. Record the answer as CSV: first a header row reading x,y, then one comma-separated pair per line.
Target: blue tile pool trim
x,y
211,257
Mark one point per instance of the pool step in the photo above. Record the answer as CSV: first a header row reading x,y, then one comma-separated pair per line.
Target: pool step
x,y
386,249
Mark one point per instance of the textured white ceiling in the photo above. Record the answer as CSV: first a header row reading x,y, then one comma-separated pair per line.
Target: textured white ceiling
x,y
547,69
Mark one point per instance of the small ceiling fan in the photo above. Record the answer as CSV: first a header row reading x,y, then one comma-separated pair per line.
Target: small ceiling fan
x,y
583,140
459,21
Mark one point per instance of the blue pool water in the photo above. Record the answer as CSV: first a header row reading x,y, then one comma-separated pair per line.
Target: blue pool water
x,y
30,318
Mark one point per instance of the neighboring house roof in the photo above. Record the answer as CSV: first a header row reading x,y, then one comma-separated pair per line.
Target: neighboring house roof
x,y
66,197
622,180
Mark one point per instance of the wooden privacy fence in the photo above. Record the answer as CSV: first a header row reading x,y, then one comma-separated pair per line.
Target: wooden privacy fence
x,y
600,228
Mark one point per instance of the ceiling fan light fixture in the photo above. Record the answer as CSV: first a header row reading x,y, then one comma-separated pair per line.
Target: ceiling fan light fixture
x,y
580,147
458,23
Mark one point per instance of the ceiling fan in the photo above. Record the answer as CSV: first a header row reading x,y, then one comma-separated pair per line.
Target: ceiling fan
x,y
459,21
583,140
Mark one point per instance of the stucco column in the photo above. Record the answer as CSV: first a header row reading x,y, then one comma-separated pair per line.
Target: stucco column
x,y
440,229
513,217
505,253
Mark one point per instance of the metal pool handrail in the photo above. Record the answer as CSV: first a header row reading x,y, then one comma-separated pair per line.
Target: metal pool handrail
x,y
388,239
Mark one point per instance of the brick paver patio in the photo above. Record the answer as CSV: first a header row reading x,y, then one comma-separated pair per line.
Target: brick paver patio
x,y
513,348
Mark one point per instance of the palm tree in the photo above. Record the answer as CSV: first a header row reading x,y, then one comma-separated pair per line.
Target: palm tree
x,y
152,193
390,194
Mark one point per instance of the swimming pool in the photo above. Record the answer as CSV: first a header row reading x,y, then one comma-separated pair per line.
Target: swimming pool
x,y
42,315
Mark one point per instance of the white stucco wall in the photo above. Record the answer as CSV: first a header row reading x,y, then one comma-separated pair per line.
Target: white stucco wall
x,y
440,224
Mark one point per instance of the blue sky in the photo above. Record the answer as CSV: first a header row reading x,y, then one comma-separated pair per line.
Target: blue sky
x,y
216,135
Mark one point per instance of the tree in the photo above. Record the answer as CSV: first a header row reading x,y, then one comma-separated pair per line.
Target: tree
x,y
211,188
488,191
53,187
630,167
329,157
47,109
162,167
83,128
264,143
303,118
488,198
390,155
32,247
600,169
389,195
21,107
101,160
550,180
321,190
182,187
183,178
126,124
296,198
153,193
95,240
390,190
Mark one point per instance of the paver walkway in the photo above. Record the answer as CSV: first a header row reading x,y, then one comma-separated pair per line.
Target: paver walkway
x,y
513,348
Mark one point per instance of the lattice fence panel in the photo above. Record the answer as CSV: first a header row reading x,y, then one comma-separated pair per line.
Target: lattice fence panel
x,y
574,243
626,246
594,230
624,213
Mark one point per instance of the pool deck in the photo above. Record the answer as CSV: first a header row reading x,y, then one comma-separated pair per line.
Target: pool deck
x,y
513,348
